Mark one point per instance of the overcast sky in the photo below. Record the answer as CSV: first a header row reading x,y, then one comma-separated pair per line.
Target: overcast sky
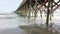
x,y
9,5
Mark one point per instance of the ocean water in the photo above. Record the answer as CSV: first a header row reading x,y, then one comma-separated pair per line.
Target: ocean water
x,y
8,21
13,20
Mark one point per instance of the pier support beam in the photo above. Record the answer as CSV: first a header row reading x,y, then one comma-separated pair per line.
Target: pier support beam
x,y
48,12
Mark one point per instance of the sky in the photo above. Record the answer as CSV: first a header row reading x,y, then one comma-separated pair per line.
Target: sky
x,y
8,6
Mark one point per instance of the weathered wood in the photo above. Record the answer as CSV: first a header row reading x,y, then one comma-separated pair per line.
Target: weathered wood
x,y
48,12
28,5
51,4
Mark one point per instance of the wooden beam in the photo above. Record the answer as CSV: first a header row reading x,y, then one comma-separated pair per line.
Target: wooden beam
x,y
48,11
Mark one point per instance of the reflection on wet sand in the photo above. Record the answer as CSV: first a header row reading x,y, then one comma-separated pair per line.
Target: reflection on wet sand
x,y
35,29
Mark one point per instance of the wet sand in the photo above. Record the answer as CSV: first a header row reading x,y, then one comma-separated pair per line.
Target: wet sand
x,y
16,30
